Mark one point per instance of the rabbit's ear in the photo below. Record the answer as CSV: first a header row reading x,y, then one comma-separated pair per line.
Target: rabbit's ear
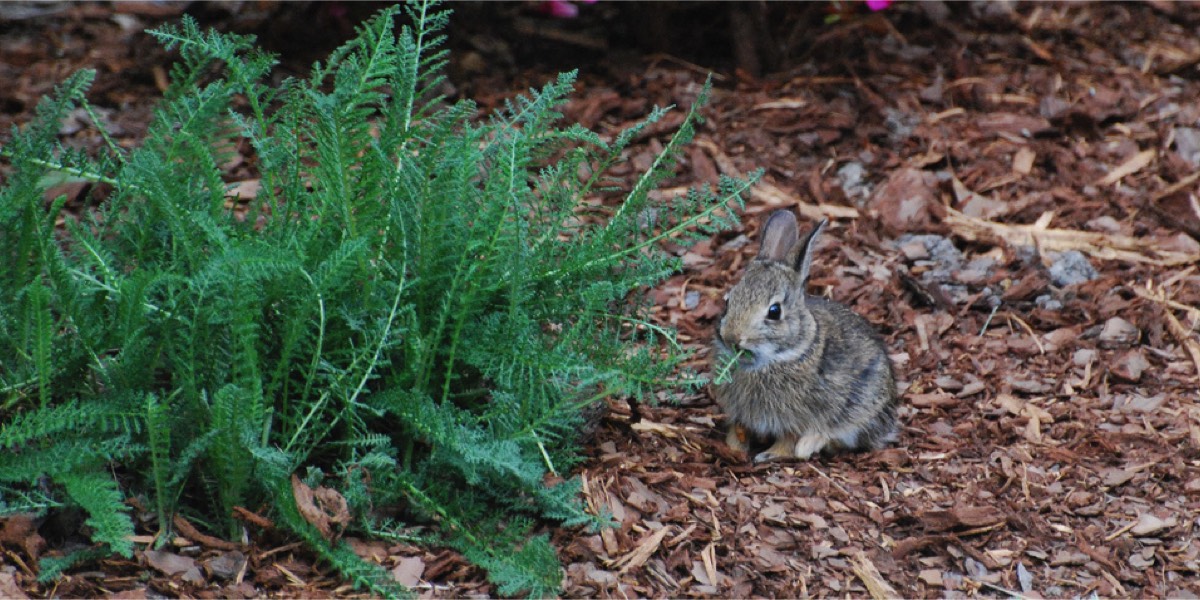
x,y
778,236
801,253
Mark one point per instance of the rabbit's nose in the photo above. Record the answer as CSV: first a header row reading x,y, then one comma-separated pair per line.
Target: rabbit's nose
x,y
733,342
726,337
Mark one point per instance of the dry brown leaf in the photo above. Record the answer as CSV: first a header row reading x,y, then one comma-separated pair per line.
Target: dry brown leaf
x,y
170,563
20,529
1012,124
924,160
1130,365
16,527
1113,477
228,566
408,571
324,508
933,399
373,551
241,191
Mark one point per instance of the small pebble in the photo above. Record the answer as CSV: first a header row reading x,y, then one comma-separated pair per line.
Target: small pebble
x,y
1048,302
852,174
914,251
227,565
1071,267
1130,366
1105,224
1118,332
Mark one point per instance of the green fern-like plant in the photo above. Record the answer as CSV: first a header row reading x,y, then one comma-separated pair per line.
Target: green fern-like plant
x,y
416,302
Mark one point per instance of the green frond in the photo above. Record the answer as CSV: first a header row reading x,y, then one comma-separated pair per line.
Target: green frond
x,y
108,516
159,427
65,456
50,567
15,501
532,568
44,424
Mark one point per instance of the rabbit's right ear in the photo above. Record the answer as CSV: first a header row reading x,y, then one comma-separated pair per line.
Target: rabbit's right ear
x,y
800,256
779,235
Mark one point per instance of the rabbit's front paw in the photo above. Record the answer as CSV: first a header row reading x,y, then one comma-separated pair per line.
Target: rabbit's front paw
x,y
783,448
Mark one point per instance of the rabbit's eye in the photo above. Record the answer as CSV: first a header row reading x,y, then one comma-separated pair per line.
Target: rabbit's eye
x,y
774,312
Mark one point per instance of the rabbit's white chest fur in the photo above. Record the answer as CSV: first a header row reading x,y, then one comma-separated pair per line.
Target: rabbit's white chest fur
x,y
764,400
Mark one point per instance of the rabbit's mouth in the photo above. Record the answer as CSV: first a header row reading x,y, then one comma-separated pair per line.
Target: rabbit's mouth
x,y
733,353
744,357
761,357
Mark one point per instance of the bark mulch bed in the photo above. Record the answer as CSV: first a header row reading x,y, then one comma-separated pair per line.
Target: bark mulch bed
x,y
1013,194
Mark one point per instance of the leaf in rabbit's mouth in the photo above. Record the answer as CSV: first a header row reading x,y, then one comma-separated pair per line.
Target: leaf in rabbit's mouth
x,y
729,362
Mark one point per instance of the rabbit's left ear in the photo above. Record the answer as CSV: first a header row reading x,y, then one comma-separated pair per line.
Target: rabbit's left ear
x,y
800,256
779,235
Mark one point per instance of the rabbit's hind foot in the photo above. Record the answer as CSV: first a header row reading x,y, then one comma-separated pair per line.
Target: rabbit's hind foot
x,y
786,447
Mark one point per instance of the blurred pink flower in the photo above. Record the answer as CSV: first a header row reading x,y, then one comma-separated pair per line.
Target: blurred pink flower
x,y
878,5
561,9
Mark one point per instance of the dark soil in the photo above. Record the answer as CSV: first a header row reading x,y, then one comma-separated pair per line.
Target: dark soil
x,y
1013,194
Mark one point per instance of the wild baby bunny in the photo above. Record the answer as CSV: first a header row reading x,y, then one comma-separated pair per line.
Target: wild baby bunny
x,y
812,375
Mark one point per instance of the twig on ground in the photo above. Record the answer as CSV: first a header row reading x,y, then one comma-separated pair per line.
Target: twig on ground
x,y
1032,334
189,531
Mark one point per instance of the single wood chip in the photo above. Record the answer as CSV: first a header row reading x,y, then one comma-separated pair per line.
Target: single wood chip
x,y
1022,162
866,571
1138,162
960,516
709,556
645,549
662,429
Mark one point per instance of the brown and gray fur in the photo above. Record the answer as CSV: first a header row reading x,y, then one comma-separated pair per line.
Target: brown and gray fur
x,y
815,378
